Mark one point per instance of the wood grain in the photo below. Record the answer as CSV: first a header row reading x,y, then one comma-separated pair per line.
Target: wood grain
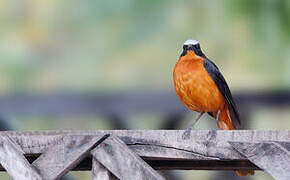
x,y
123,162
60,158
201,145
99,172
13,160
272,157
162,149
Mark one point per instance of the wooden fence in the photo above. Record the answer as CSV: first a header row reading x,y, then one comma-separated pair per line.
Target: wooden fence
x,y
137,154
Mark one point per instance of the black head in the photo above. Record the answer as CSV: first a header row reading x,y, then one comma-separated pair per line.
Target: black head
x,y
193,45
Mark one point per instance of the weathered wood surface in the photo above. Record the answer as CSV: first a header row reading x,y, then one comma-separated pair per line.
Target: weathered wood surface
x,y
13,160
99,172
202,144
123,162
60,158
272,157
163,149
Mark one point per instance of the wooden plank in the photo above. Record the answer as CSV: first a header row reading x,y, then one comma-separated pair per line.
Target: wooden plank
x,y
99,172
202,144
13,160
123,162
211,144
272,157
62,157
163,149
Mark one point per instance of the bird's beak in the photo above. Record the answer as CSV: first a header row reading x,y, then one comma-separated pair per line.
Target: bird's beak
x,y
190,52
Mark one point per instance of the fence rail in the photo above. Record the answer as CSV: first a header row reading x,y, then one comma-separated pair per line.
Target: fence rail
x,y
133,154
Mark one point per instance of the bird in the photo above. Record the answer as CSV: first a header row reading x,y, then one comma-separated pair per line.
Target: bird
x,y
201,87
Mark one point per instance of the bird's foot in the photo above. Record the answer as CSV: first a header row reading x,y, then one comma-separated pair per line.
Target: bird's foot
x,y
186,133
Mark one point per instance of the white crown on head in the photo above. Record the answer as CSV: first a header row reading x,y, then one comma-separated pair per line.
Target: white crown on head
x,y
191,42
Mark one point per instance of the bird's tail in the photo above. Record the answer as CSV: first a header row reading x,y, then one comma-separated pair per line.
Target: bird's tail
x,y
225,123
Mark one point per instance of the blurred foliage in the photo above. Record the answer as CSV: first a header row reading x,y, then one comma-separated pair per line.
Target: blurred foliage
x,y
49,46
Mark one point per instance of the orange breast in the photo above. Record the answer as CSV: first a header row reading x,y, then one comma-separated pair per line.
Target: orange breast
x,y
195,87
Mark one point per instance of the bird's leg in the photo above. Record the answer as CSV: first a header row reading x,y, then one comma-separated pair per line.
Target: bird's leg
x,y
187,131
195,121
217,117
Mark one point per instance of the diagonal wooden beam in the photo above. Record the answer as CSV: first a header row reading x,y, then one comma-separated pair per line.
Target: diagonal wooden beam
x,y
203,144
99,172
162,149
272,157
13,160
65,155
122,161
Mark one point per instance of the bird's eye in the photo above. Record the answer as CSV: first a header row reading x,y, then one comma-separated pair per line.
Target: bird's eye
x,y
184,47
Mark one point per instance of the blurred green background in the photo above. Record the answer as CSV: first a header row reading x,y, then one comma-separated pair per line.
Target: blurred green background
x,y
95,47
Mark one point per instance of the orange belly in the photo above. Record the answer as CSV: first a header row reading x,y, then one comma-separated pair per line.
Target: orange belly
x,y
195,87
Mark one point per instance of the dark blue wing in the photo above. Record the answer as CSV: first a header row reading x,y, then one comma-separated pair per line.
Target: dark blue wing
x,y
222,85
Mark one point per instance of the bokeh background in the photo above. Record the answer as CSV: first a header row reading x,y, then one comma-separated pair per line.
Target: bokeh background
x,y
115,48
